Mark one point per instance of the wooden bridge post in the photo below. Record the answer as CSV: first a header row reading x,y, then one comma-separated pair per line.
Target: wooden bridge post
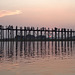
x,y
41,34
55,33
52,33
45,33
37,33
21,33
30,34
16,33
68,34
24,33
8,33
48,33
34,32
13,33
58,34
64,33
71,34
1,32
74,33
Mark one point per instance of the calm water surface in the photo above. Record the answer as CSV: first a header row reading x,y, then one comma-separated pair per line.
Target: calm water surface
x,y
37,58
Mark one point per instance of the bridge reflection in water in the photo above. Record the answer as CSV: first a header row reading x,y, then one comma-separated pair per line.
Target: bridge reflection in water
x,y
25,50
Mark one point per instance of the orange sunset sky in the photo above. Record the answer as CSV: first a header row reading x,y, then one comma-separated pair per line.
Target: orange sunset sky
x,y
48,13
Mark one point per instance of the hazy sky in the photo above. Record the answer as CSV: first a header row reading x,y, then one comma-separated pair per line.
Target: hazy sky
x,y
48,13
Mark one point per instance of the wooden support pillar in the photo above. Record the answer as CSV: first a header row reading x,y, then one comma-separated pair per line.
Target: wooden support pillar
x,y
55,33
30,34
48,33
65,34
3,32
41,34
29,31
45,33
16,33
62,34
21,33
8,33
71,34
58,34
74,33
52,33
68,34
0,32
24,33
12,33
37,33
34,32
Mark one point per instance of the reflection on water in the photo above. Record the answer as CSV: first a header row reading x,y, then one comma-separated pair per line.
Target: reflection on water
x,y
37,58
16,50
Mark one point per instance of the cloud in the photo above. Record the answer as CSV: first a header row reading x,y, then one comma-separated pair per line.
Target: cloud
x,y
7,12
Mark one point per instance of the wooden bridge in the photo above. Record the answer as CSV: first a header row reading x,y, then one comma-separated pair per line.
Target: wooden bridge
x,y
9,33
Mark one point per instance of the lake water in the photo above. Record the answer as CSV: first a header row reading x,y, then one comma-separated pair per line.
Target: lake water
x,y
37,58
